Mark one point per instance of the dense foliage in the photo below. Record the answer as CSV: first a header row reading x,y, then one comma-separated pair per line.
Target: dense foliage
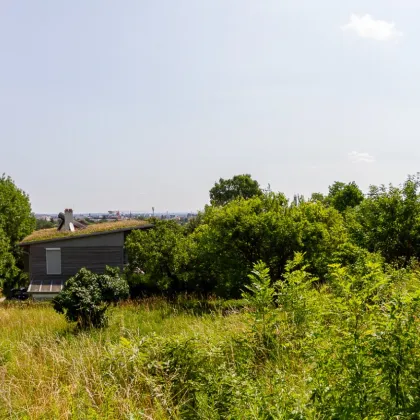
x,y
8,268
388,221
343,196
327,326
157,258
44,224
214,253
86,296
240,186
348,348
16,221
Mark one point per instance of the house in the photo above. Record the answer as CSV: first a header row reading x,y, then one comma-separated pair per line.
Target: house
x,y
54,255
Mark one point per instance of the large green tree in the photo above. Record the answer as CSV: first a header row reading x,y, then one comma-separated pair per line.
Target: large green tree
x,y
240,186
157,258
343,196
16,221
8,268
388,221
233,237
16,218
217,254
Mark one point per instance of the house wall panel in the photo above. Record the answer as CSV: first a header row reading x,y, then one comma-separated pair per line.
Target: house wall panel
x,y
73,259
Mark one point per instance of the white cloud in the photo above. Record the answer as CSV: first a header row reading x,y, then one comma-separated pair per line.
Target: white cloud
x,y
356,157
367,27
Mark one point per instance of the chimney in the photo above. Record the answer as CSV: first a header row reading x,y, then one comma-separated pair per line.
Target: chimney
x,y
67,220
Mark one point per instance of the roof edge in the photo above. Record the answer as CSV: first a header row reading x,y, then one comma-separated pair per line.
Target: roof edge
x,y
69,237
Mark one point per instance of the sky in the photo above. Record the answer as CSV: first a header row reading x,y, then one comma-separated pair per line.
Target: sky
x,y
133,104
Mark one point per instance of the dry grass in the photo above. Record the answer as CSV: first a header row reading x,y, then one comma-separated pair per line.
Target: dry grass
x,y
49,234
49,371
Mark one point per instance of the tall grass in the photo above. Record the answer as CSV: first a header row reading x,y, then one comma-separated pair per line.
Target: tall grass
x,y
49,370
345,349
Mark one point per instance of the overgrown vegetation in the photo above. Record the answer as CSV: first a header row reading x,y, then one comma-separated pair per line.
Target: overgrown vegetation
x,y
214,253
348,348
45,224
86,297
321,322
16,221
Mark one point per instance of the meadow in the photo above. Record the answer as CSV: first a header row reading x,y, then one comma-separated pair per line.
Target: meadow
x,y
298,349
50,370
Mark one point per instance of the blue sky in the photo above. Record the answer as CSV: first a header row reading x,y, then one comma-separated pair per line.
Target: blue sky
x,y
133,104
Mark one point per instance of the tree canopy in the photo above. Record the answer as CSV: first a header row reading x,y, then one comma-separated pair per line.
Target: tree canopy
x,y
16,218
16,221
213,253
343,196
157,257
240,186
216,256
388,221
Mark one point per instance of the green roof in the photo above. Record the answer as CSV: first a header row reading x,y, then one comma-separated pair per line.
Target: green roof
x,y
93,229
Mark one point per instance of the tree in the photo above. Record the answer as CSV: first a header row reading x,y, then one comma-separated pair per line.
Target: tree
x,y
8,269
16,218
233,237
240,186
321,232
216,254
388,221
16,222
157,258
318,198
343,196
44,224
86,297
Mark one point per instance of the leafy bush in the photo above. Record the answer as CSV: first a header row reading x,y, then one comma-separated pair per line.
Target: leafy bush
x,y
231,238
8,268
86,296
388,221
260,297
368,369
346,348
295,292
157,259
44,224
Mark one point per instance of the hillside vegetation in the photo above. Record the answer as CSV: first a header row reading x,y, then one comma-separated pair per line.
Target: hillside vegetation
x,y
214,253
346,349
267,309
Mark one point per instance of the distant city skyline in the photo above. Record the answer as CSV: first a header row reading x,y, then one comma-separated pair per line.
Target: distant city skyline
x,y
125,213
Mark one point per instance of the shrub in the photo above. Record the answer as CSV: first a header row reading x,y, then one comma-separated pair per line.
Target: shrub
x,y
86,296
260,297
156,259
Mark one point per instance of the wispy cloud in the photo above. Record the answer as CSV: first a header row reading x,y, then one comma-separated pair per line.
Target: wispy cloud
x,y
367,27
356,157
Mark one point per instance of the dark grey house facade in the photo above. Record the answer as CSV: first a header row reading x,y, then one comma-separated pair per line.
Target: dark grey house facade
x,y
50,262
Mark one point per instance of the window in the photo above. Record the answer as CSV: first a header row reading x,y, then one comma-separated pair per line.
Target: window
x,y
53,256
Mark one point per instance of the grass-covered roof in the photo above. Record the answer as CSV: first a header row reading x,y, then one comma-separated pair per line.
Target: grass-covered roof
x,y
93,229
